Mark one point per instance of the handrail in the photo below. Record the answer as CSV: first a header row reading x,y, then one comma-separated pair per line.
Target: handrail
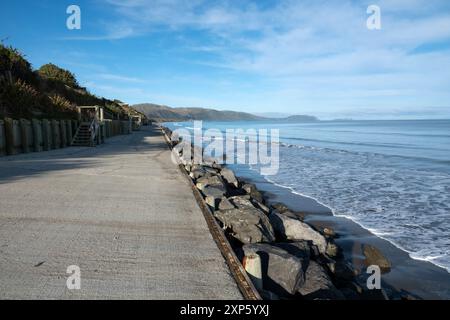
x,y
93,129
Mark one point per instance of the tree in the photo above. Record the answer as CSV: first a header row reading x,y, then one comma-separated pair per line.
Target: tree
x,y
53,72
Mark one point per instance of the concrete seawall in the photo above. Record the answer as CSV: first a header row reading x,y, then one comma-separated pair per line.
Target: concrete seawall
x,y
122,212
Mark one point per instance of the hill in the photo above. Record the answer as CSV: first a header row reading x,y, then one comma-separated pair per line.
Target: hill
x,y
164,113
48,92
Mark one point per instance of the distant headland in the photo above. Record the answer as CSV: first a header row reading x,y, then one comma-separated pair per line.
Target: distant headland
x,y
162,113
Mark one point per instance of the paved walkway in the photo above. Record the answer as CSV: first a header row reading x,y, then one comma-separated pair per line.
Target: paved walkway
x,y
121,211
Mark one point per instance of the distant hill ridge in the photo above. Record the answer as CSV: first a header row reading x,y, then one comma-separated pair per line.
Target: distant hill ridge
x,y
165,113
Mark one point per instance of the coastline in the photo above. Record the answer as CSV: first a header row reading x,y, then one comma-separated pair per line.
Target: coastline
x,y
420,278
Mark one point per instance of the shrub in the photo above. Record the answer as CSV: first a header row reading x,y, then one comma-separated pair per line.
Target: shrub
x,y
19,98
14,65
52,72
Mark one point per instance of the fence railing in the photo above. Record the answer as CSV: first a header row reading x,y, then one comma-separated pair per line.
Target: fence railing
x,y
22,136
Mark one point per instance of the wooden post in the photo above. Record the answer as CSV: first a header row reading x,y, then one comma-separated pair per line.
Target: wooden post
x,y
46,135
24,136
37,135
62,130
69,134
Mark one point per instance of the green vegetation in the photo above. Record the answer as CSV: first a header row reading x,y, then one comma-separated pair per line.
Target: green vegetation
x,y
51,72
49,92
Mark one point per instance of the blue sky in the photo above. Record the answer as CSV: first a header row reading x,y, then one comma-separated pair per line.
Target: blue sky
x,y
299,57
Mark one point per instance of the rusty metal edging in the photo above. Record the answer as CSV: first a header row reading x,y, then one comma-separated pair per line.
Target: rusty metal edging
x,y
241,277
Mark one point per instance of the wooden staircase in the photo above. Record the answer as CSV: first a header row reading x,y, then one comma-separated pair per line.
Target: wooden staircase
x,y
83,137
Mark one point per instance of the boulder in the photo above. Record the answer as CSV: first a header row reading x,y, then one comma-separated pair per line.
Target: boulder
x,y
332,249
261,206
280,207
212,202
197,173
293,229
229,177
225,204
213,195
241,202
344,272
318,284
294,215
248,225
329,232
250,188
375,257
210,180
300,249
282,272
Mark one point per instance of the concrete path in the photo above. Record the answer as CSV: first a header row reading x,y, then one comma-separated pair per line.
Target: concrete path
x,y
122,212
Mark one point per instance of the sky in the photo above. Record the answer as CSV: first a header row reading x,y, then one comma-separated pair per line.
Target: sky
x,y
288,56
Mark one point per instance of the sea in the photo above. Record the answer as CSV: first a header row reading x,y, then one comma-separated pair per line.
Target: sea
x,y
392,177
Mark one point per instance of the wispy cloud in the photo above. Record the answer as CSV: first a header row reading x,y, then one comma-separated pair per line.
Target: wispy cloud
x,y
120,78
310,51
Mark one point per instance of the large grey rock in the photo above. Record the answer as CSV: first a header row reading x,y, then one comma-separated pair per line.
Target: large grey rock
x,y
225,204
241,202
293,229
251,189
282,272
229,177
294,215
300,249
213,195
376,257
248,225
215,191
210,180
261,206
197,173
318,284
280,207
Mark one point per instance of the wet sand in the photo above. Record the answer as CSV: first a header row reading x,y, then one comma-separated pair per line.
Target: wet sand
x,y
420,279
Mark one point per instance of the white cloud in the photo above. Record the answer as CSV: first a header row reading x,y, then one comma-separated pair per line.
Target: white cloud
x,y
313,50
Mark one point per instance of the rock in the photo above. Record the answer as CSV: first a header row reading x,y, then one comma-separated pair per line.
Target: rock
x,y
329,232
332,249
210,170
242,202
229,177
293,229
250,188
248,225
215,191
282,272
225,204
300,249
280,207
376,257
197,173
344,272
212,202
213,195
318,284
294,215
209,180
261,206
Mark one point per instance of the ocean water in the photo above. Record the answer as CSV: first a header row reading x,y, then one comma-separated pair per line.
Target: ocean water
x,y
391,177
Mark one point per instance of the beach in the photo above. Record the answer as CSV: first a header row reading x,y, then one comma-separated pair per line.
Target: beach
x,y
312,164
